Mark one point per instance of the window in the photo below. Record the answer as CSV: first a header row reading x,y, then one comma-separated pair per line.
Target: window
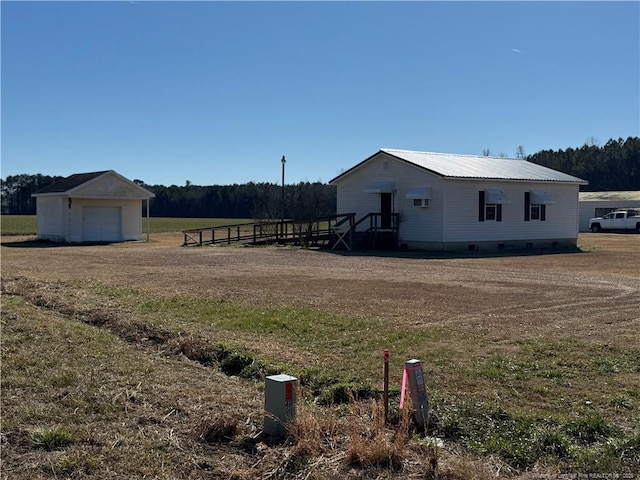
x,y
601,212
490,206
535,206
420,196
490,211
535,211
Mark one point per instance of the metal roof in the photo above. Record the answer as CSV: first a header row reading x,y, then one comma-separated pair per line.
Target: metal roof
x,y
481,167
615,196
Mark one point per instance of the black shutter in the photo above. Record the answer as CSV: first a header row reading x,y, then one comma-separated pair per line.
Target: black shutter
x,y
499,212
543,212
527,206
481,206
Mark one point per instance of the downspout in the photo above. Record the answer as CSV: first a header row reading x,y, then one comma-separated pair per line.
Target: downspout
x,y
148,200
68,222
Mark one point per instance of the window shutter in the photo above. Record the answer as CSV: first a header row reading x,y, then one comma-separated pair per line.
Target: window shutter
x,y
527,206
499,212
543,212
481,206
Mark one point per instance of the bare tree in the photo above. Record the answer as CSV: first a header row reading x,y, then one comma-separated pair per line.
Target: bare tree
x,y
592,142
520,152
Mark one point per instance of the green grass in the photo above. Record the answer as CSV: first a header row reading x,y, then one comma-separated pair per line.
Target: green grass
x,y
26,224
171,224
18,224
51,438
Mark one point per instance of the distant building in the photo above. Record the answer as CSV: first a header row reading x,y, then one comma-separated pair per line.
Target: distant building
x,y
597,204
439,201
91,207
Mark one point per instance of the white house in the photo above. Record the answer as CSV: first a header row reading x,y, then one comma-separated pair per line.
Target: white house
x,y
91,207
597,204
437,201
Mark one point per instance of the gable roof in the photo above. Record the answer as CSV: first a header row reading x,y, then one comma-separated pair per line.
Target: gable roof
x,y
448,165
73,182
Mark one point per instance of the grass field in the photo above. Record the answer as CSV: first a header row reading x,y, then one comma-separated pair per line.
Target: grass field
x,y
532,362
26,224
18,224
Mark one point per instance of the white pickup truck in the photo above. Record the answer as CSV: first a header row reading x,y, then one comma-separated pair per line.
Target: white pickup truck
x,y
616,220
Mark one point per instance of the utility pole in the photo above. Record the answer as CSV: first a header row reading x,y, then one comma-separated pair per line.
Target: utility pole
x,y
283,161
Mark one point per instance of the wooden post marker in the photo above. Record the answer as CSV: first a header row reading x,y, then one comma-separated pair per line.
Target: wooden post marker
x,y
385,390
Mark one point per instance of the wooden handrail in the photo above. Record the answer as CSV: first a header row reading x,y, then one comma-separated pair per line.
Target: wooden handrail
x,y
305,232
266,231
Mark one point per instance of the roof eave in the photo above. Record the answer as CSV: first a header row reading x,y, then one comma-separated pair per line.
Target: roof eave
x,y
516,180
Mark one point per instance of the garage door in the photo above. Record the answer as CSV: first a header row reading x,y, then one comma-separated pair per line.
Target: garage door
x,y
101,224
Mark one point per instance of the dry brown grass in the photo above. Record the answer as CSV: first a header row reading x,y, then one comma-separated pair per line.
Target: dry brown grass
x,y
372,445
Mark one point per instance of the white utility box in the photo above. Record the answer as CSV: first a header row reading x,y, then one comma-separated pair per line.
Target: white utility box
x,y
280,394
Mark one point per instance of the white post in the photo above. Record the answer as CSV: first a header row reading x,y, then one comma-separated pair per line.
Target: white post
x,y
279,404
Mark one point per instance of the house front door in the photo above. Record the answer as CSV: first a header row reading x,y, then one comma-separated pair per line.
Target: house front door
x,y
385,210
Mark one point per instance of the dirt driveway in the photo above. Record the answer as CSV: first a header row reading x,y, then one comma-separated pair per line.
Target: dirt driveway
x,y
593,294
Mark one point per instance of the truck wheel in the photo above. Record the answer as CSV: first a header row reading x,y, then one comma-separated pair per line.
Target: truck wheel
x,y
638,227
595,228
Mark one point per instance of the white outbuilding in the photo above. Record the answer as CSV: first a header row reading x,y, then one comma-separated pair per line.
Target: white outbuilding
x,y
92,207
439,201
597,204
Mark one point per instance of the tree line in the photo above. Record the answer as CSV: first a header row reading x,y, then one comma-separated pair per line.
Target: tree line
x,y
302,201
613,166
251,200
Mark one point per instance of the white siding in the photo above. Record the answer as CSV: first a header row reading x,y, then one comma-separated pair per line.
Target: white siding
x,y
418,224
108,186
351,196
51,219
461,213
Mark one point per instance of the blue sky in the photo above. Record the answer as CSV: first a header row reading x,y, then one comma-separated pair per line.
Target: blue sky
x,y
217,92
